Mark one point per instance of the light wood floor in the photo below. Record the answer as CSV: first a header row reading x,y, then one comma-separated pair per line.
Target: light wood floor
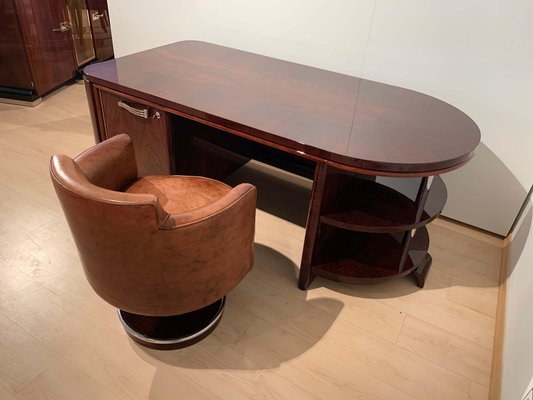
x,y
58,340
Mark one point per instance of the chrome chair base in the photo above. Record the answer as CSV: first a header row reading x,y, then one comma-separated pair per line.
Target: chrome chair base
x,y
173,332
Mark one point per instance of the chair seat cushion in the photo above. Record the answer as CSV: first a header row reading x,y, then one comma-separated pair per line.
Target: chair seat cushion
x,y
177,194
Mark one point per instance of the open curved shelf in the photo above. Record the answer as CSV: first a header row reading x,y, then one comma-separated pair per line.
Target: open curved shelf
x,y
354,257
367,206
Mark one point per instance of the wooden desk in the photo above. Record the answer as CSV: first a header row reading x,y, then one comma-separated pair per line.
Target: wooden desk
x,y
199,108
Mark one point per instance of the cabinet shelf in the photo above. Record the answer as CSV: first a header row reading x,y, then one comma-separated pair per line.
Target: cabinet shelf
x,y
355,257
367,206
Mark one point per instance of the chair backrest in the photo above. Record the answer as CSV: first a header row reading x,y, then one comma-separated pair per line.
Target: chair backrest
x,y
134,255
110,164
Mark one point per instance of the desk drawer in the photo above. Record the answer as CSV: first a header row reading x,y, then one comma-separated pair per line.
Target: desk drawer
x,y
148,128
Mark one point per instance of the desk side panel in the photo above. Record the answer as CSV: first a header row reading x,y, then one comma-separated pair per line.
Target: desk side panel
x,y
95,111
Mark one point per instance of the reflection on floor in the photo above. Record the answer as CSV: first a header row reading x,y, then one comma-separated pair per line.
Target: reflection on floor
x,y
389,341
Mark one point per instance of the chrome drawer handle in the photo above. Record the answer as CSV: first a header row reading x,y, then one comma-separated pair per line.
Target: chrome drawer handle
x,y
139,112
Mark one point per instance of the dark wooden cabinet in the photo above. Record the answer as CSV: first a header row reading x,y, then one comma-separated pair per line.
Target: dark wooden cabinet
x,y
147,126
101,29
14,69
37,45
48,42
91,30
42,47
80,28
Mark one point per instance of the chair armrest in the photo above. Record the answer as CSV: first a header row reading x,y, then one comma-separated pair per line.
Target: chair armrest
x,y
66,174
242,192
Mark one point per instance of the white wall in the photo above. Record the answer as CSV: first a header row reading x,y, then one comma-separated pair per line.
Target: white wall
x,y
328,34
476,55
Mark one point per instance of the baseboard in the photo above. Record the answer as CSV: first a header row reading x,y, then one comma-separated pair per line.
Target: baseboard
x,y
17,102
499,330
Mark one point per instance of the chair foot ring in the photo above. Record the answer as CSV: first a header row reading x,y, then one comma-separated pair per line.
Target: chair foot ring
x,y
173,332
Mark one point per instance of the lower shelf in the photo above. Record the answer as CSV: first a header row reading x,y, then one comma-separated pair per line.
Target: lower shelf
x,y
354,257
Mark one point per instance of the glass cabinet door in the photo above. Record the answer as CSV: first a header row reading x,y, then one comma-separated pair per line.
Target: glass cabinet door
x,y
81,31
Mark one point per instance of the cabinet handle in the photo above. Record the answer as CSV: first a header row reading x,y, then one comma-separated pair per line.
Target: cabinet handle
x,y
63,27
139,112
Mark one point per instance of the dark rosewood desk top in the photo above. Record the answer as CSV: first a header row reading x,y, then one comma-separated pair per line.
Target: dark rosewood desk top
x,y
356,123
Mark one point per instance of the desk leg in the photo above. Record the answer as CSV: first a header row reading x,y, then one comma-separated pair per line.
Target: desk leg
x,y
313,221
420,274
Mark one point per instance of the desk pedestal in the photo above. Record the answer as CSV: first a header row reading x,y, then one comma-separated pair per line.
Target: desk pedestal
x,y
360,231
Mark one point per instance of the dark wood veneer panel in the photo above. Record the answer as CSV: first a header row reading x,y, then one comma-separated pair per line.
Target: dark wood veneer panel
x,y
408,130
101,29
204,150
353,257
14,71
312,230
150,137
50,53
306,109
368,206
96,111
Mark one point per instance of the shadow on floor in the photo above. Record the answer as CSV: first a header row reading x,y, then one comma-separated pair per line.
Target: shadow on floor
x,y
267,322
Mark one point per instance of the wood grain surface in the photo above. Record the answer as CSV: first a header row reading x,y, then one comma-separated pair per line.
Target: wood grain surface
x,y
347,120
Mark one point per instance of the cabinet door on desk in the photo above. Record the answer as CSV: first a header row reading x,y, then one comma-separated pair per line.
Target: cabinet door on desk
x,y
150,135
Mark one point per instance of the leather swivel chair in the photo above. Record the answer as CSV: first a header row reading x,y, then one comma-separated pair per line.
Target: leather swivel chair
x,y
164,250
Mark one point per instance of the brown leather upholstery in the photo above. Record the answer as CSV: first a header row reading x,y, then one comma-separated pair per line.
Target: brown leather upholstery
x,y
157,245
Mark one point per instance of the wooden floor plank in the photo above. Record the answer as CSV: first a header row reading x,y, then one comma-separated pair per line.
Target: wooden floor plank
x,y
63,381
396,366
22,359
459,355
478,392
